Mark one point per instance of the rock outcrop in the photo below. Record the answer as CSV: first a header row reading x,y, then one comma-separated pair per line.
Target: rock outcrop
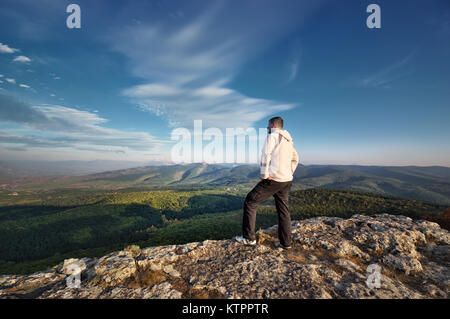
x,y
330,258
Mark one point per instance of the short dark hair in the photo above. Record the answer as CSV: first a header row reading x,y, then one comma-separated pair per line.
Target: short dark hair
x,y
277,121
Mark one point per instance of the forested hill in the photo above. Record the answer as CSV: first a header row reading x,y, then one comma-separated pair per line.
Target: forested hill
x,y
426,183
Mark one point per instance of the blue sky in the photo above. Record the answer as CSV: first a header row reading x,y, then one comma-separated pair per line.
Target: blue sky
x,y
117,87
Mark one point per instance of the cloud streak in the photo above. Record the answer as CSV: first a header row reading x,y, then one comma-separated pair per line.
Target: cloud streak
x,y
294,63
393,72
190,65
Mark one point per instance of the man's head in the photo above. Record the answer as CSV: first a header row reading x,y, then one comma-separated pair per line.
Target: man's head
x,y
275,122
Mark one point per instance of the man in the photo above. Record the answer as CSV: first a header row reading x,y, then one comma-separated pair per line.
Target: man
x,y
278,163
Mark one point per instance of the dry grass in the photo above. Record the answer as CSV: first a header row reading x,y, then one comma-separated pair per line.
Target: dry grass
x,y
262,237
179,284
135,250
147,278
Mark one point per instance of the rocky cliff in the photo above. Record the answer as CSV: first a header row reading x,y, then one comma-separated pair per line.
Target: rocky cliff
x,y
381,256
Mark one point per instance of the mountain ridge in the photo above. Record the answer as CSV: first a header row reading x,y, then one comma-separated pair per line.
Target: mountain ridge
x,y
426,183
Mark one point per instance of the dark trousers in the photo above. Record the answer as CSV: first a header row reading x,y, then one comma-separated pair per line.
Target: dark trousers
x,y
262,191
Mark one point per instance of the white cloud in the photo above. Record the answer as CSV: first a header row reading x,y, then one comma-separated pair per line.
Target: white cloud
x,y
69,114
24,86
22,59
187,65
6,49
56,127
10,80
1,75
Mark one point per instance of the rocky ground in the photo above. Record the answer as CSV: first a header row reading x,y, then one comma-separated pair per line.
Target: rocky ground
x,y
329,259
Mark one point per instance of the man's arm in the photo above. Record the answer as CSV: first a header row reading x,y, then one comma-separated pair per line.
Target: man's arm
x,y
267,155
294,161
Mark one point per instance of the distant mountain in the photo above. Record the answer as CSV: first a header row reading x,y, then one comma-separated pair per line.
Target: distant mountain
x,y
10,171
176,175
20,169
426,183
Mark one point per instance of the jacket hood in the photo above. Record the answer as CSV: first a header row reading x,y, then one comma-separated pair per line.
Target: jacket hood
x,y
285,134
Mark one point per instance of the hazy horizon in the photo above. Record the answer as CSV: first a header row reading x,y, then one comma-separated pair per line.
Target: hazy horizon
x,y
131,164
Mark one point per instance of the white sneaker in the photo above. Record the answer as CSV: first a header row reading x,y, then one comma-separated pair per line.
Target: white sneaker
x,y
279,245
244,240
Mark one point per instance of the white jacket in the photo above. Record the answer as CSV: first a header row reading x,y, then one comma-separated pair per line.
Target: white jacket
x,y
279,158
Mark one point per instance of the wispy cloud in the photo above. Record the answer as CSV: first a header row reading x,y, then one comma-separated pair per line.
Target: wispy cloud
x,y
4,48
54,76
391,73
293,69
22,59
10,80
189,64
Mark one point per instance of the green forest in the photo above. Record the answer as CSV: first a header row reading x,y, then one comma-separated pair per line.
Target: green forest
x,y
39,230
